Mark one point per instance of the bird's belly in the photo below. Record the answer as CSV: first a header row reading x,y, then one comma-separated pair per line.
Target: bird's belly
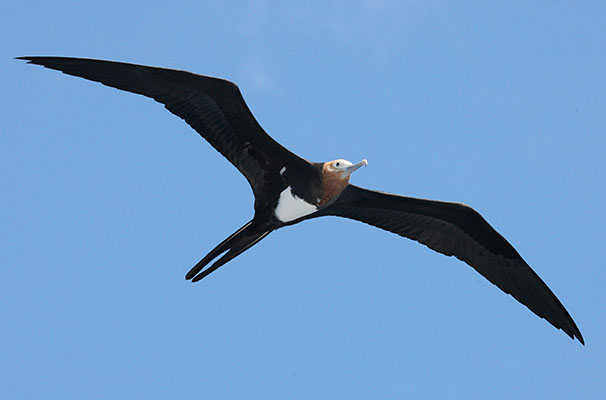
x,y
291,207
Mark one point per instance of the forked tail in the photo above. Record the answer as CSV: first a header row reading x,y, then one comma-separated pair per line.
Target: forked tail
x,y
238,242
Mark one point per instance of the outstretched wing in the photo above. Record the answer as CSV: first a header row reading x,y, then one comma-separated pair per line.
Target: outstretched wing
x,y
213,107
457,230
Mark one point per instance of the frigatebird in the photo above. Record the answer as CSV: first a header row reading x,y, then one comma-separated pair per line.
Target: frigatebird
x,y
288,189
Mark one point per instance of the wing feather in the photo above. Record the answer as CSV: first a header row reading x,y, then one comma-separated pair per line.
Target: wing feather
x,y
214,107
457,230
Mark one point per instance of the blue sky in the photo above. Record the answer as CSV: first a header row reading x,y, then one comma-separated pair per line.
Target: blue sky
x,y
108,200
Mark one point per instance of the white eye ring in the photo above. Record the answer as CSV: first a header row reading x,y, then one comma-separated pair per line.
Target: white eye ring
x,y
337,164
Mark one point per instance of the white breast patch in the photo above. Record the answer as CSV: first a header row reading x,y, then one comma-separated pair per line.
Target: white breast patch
x,y
291,207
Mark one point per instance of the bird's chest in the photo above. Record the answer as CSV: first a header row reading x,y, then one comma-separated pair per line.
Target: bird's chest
x,y
291,207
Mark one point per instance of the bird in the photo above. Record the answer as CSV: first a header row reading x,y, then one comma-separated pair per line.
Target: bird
x,y
289,189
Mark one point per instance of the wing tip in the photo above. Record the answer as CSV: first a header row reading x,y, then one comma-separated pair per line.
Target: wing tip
x,y
570,328
576,333
36,60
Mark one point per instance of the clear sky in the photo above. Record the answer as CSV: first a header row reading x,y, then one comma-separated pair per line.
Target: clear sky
x,y
107,200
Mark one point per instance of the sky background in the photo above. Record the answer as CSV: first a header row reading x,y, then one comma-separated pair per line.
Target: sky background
x,y
107,201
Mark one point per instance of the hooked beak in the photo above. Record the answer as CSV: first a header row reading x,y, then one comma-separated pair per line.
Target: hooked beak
x,y
355,166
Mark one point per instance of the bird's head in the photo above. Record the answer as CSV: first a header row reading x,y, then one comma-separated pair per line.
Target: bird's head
x,y
335,177
342,169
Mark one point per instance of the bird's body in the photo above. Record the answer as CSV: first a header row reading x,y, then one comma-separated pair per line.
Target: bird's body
x,y
289,189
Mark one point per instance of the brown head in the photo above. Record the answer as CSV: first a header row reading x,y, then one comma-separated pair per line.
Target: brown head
x,y
335,177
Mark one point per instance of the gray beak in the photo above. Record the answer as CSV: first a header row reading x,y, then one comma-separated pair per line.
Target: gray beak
x,y
355,166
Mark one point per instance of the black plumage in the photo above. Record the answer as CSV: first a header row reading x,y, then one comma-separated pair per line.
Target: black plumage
x,y
216,109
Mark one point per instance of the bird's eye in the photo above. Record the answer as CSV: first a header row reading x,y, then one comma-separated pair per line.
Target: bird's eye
x,y
337,164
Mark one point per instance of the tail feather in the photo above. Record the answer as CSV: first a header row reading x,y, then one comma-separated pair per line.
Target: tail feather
x,y
237,243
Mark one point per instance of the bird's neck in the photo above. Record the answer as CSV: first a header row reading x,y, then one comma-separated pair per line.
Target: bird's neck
x,y
332,186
